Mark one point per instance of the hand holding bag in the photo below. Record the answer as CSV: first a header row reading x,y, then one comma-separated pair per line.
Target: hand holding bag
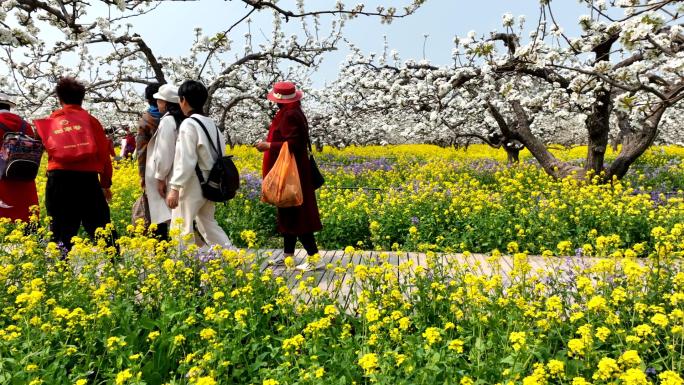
x,y
281,186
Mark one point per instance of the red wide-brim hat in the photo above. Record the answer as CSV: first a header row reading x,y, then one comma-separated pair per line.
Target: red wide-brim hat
x,y
285,92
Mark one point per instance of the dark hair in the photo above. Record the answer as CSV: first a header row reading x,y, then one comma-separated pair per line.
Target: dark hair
x,y
150,90
4,106
195,93
70,91
174,110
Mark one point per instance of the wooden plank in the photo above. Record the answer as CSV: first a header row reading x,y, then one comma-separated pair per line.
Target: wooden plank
x,y
291,274
321,267
346,288
263,263
333,286
328,279
351,282
318,272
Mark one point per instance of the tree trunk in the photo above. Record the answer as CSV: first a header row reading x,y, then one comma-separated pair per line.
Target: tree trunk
x,y
598,121
598,127
635,144
523,133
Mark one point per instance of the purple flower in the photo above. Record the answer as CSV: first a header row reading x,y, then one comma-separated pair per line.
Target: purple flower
x,y
251,185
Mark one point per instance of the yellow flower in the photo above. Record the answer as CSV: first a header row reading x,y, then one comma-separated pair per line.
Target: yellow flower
x,y
293,344
399,358
467,381
81,382
205,381
153,335
207,334
270,382
670,378
179,339
602,333
643,330
372,314
240,315
517,340
580,381
123,376
432,335
369,363
634,377
564,247
576,347
659,320
630,358
456,345
115,342
607,369
330,310
596,303
556,368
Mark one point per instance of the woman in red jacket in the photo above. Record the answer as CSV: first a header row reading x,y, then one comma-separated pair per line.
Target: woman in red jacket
x,y
77,192
16,196
290,125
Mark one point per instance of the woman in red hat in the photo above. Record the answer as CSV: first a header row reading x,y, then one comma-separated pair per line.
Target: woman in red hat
x,y
290,125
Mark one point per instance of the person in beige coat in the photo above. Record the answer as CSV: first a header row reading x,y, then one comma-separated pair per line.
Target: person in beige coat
x,y
160,153
193,149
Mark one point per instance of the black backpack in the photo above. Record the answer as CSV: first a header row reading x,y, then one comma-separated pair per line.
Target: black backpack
x,y
20,154
224,179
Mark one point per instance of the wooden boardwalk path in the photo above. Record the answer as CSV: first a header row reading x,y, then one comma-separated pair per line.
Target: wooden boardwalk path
x,y
334,272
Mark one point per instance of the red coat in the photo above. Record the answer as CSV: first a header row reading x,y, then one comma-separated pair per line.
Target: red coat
x,y
101,163
290,125
20,195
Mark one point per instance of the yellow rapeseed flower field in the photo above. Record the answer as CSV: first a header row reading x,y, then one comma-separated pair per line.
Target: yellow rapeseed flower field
x,y
155,315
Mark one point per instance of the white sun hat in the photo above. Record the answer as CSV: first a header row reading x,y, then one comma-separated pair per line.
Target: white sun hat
x,y
6,99
168,93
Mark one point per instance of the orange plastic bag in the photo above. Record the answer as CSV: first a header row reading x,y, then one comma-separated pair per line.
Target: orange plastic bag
x,y
281,186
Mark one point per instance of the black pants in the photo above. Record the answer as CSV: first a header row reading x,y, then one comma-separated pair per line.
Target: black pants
x,y
307,240
162,231
73,198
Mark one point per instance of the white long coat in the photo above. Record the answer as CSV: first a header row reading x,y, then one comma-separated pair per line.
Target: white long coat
x,y
159,166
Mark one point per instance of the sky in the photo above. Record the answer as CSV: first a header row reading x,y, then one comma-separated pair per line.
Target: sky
x,y
169,29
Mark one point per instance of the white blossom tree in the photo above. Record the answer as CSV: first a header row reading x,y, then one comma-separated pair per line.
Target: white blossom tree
x,y
505,89
96,41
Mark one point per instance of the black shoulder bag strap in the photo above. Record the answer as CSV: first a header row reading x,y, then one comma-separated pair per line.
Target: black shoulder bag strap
x,y
24,126
308,136
216,149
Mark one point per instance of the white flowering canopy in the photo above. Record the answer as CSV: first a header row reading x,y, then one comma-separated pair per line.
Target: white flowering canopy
x,y
621,79
97,42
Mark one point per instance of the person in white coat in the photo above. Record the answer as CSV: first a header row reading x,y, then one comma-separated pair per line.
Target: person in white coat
x,y
160,153
194,149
